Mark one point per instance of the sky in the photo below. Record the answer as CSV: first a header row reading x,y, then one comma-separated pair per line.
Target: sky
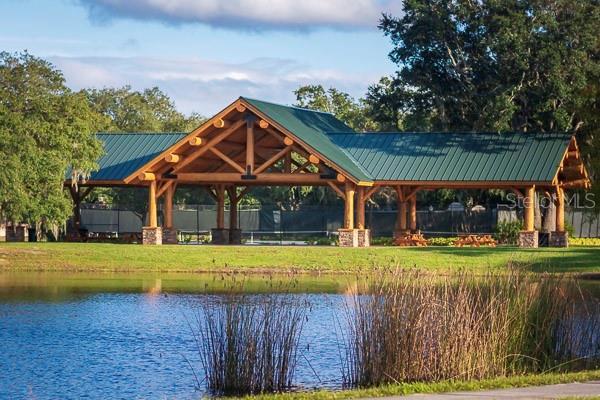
x,y
205,53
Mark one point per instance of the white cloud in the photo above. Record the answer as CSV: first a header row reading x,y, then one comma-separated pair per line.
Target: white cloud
x,y
248,14
206,86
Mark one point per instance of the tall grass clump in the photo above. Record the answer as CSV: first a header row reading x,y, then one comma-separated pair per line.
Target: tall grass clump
x,y
248,344
405,326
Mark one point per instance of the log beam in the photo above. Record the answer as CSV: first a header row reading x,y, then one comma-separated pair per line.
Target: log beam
x,y
147,176
228,160
250,119
211,143
195,141
271,177
337,190
172,158
273,159
221,123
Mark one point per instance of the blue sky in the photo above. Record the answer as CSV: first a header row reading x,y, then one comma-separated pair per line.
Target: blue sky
x,y
205,53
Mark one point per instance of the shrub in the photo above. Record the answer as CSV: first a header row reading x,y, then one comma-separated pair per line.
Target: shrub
x,y
382,241
584,241
442,241
508,232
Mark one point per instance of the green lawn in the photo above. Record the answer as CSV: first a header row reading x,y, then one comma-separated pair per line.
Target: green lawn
x,y
403,389
122,257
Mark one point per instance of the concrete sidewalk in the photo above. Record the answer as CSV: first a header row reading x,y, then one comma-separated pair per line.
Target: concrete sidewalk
x,y
584,389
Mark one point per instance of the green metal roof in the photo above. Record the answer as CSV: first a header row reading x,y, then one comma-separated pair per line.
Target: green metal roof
x,y
418,157
124,153
456,156
313,127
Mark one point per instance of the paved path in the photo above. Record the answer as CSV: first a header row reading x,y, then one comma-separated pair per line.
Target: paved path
x,y
591,388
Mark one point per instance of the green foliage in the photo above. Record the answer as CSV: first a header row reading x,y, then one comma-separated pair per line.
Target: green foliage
x,y
494,66
44,130
570,229
340,104
591,242
382,241
150,110
507,232
442,241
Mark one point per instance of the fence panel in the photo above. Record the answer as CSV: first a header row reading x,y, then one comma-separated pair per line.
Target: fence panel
x,y
270,218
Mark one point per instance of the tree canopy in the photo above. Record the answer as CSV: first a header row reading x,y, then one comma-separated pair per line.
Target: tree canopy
x,y
45,129
150,110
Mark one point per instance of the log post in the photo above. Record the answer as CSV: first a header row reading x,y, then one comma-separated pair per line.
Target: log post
x,y
360,208
152,215
152,234
220,207
528,237
168,222
401,219
349,206
233,202
560,209
559,238
235,234
169,234
413,213
529,205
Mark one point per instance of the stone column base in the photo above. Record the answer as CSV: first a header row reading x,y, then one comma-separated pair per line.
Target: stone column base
x,y
528,239
559,239
219,236
18,233
2,232
169,236
152,235
364,237
348,237
235,236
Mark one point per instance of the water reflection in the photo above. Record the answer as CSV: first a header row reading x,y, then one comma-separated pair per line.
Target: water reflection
x,y
72,336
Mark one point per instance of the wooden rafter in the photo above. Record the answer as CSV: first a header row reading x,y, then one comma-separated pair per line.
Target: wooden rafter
x,y
273,159
370,192
189,140
337,190
165,186
228,160
211,143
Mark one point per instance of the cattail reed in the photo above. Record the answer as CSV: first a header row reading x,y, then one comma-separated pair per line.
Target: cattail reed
x,y
405,326
249,343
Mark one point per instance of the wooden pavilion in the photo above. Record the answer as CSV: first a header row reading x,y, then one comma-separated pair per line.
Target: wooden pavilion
x,y
252,143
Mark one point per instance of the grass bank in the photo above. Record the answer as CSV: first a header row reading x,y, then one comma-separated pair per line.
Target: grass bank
x,y
137,258
403,389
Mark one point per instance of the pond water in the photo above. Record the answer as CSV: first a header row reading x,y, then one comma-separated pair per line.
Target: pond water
x,y
119,336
